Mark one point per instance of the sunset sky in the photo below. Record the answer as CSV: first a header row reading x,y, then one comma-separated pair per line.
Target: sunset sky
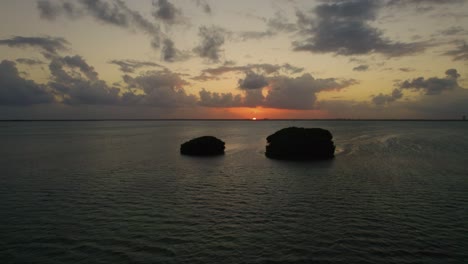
x,y
139,59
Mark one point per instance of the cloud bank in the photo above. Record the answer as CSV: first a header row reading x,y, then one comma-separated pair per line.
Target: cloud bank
x,y
344,28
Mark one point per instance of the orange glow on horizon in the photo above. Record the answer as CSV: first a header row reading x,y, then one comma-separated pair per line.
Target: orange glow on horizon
x,y
271,113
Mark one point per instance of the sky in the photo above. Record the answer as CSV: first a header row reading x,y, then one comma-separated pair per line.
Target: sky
x,y
288,59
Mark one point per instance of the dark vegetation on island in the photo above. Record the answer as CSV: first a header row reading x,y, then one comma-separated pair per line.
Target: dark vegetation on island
x,y
295,143
292,143
203,146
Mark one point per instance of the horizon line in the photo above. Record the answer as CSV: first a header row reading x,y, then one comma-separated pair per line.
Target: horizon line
x,y
226,119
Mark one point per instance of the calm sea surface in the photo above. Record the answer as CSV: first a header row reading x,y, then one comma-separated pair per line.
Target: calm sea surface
x,y
120,192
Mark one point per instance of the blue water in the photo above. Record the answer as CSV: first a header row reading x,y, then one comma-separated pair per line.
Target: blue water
x,y
120,192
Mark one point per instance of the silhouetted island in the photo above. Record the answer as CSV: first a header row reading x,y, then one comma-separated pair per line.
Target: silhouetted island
x,y
203,146
295,143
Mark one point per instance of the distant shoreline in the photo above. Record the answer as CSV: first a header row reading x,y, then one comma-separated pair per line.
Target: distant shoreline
x,y
250,120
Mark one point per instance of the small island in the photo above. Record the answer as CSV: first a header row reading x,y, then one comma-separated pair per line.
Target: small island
x,y
203,146
295,143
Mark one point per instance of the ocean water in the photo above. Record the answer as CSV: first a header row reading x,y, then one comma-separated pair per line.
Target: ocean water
x,y
120,192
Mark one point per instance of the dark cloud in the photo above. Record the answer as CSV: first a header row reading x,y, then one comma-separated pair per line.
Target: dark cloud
x,y
361,68
161,89
278,24
453,31
79,63
30,62
48,10
51,10
383,99
253,98
424,6
283,92
459,53
166,12
212,39
344,28
77,83
204,5
129,66
205,77
74,82
141,23
451,105
170,53
300,92
15,90
107,12
422,2
114,12
213,99
264,68
250,98
48,45
252,81
433,85
288,68
246,35
405,69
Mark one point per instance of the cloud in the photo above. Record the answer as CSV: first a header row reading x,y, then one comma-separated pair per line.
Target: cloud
x,y
77,83
344,28
212,39
167,12
170,53
110,13
288,68
253,98
438,8
265,68
383,99
114,12
433,85
30,62
300,92
129,66
246,35
361,68
406,69
161,89
50,10
252,81
283,92
453,31
80,63
422,2
448,105
50,46
204,5
213,99
278,24
15,90
459,53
